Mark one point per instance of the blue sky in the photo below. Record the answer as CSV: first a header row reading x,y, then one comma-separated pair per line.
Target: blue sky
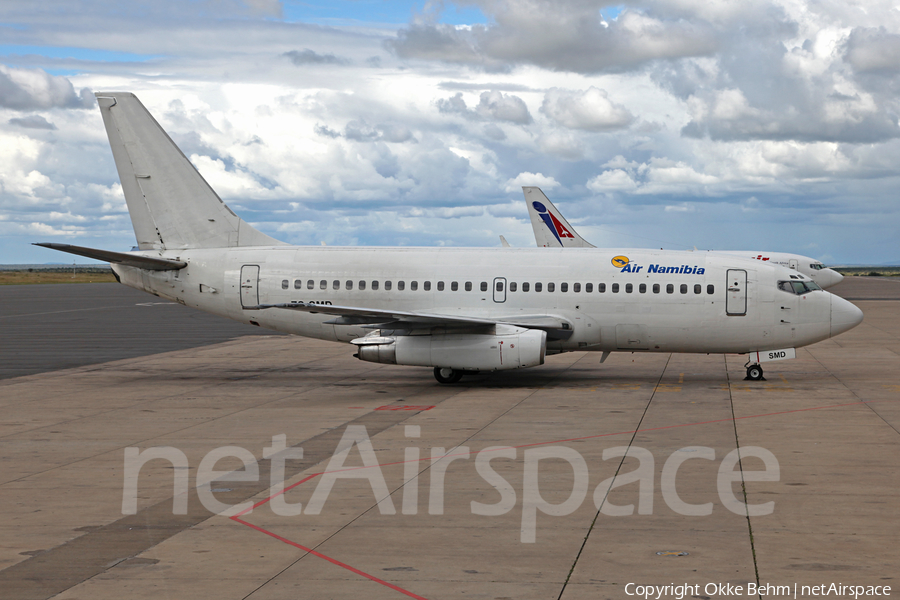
x,y
762,125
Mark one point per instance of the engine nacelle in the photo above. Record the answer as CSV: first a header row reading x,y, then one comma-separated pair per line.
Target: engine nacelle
x,y
509,348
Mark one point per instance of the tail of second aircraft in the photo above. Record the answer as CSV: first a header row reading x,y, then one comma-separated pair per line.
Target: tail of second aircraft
x,y
551,230
170,204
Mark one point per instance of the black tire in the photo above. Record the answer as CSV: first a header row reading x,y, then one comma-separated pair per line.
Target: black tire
x,y
754,373
440,373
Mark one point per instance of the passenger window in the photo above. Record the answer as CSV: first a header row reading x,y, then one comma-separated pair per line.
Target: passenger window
x,y
588,288
468,286
454,286
655,288
642,288
499,286
615,288
310,284
387,285
401,285
670,289
362,285
440,286
323,285
683,288
348,285
426,286
298,284
336,284
284,284
576,287
710,289
564,287
551,287
512,286
628,288
413,286
526,286
601,288
698,289
484,286
537,287
375,285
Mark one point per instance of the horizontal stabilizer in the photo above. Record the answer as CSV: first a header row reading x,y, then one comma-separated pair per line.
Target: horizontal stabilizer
x,y
150,263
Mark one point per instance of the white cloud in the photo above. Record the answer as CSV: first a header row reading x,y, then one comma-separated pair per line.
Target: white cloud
x,y
522,179
493,105
613,180
591,110
32,89
782,113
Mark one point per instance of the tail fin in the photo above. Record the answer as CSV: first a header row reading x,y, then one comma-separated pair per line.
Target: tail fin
x,y
170,204
551,230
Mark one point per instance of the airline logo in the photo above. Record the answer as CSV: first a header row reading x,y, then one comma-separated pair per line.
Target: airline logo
x,y
620,262
558,229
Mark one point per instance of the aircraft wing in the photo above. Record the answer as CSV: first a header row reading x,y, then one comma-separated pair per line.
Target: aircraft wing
x,y
151,263
551,230
556,327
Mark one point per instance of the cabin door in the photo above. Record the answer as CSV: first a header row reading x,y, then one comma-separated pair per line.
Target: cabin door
x,y
499,289
249,286
736,290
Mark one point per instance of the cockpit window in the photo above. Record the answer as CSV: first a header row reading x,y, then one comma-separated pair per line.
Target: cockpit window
x,y
798,287
817,266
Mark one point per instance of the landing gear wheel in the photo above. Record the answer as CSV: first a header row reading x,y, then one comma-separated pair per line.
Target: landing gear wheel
x,y
447,375
755,373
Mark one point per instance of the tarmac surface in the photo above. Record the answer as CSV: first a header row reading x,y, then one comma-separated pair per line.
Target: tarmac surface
x,y
496,488
50,327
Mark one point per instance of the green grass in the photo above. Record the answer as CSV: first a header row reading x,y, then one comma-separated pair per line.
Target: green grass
x,y
869,271
55,276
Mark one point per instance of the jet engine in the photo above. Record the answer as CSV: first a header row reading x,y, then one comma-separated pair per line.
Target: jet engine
x,y
507,348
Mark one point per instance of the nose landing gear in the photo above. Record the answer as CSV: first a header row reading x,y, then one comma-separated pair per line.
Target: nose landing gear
x,y
447,375
754,373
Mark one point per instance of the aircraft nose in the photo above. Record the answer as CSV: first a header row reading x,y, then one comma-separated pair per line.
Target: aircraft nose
x,y
844,315
836,277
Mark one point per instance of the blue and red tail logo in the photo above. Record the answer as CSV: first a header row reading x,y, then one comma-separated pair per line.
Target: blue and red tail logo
x,y
559,230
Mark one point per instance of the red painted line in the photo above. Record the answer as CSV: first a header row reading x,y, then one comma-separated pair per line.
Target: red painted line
x,y
237,517
263,501
333,561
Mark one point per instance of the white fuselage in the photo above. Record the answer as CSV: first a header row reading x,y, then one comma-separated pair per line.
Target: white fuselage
x,y
810,267
693,318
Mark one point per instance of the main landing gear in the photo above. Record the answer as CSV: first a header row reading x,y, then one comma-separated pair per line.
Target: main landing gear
x,y
447,375
754,373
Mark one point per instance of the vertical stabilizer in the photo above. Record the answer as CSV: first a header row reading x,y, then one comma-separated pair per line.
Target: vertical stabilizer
x,y
170,204
551,230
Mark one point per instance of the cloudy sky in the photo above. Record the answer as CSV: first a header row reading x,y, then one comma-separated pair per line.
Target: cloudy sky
x,y
769,125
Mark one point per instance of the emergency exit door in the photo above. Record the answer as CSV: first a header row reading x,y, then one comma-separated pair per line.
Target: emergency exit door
x,y
249,286
499,289
736,290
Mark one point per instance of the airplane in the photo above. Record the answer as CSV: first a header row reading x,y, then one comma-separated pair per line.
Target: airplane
x,y
456,310
551,230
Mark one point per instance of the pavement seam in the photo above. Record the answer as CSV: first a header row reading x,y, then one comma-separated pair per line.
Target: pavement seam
x,y
134,443
737,445
313,550
613,479
428,463
867,403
